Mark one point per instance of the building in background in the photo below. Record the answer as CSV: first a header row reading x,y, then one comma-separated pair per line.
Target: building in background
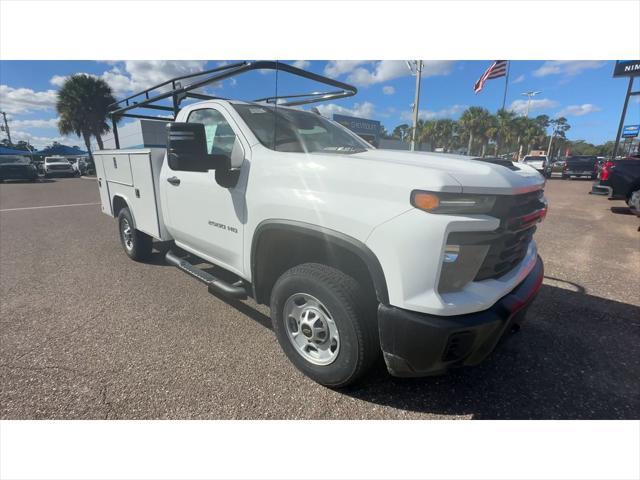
x,y
368,130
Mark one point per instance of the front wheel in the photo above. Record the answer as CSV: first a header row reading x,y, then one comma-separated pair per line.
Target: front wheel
x,y
634,201
324,324
137,245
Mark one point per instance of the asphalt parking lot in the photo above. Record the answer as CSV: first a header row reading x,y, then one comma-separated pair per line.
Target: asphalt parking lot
x,y
88,334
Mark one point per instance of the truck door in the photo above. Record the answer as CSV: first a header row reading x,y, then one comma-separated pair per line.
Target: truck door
x,y
204,217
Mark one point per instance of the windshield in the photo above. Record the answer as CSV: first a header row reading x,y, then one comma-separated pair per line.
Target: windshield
x,y
533,159
6,159
288,130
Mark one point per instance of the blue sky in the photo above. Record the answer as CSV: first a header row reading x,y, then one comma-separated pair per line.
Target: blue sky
x,y
583,91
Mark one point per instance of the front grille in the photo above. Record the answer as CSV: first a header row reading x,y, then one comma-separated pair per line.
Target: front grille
x,y
59,167
508,245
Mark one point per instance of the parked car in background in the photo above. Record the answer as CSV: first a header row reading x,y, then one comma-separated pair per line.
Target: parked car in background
x,y
17,167
539,162
58,166
79,165
580,166
621,178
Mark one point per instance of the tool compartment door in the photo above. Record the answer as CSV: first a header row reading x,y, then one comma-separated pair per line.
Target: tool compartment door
x,y
143,200
118,168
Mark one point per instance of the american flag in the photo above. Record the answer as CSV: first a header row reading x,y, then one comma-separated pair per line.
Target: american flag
x,y
498,69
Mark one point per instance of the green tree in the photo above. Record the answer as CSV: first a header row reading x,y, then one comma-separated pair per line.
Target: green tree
x,y
82,104
402,132
501,130
559,126
474,122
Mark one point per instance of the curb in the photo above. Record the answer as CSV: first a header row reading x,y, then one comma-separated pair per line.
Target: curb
x,y
88,178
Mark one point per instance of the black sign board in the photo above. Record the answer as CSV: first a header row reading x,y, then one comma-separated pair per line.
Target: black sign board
x,y
627,68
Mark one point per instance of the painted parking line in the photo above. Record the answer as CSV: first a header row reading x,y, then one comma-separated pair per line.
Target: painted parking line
x,y
48,206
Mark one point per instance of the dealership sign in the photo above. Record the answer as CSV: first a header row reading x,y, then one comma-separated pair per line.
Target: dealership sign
x,y
361,126
630,131
627,68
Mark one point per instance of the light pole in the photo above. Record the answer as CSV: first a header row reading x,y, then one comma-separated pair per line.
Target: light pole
x,y
530,94
416,69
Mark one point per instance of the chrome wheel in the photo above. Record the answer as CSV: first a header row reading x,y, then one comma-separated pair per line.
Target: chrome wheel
x,y
311,329
127,234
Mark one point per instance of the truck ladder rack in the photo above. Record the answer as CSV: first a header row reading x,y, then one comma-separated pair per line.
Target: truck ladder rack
x,y
214,284
175,90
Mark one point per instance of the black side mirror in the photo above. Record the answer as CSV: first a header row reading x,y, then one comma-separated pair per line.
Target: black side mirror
x,y
187,147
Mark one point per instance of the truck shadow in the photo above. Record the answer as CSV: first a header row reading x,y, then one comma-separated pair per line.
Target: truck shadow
x,y
577,357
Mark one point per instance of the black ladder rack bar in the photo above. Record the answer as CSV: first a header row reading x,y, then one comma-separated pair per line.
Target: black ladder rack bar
x,y
177,92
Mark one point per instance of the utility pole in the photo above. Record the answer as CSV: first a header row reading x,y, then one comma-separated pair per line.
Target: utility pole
x,y
6,128
416,102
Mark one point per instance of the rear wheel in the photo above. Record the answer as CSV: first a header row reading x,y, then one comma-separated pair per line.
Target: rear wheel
x,y
324,324
137,245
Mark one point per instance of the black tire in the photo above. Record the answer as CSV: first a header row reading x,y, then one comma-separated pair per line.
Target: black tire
x,y
138,245
354,316
564,177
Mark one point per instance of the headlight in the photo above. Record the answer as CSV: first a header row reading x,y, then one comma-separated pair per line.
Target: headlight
x,y
444,202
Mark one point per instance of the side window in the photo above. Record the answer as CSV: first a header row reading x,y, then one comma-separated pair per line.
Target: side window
x,y
220,136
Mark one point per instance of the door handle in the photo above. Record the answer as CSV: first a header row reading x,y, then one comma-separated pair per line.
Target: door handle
x,y
174,181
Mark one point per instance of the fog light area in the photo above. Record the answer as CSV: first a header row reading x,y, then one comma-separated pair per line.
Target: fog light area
x,y
460,264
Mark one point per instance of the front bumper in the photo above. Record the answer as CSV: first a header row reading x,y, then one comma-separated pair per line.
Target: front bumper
x,y
53,173
599,189
418,344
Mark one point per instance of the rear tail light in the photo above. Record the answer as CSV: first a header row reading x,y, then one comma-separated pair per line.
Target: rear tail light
x,y
606,170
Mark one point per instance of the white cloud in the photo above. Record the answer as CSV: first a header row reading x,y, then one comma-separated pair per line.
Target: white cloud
x,y
335,68
36,123
301,64
24,100
448,112
43,141
520,106
363,110
386,70
578,110
518,79
388,90
567,67
136,75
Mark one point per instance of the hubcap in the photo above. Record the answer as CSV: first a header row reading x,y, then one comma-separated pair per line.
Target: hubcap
x,y
311,329
127,234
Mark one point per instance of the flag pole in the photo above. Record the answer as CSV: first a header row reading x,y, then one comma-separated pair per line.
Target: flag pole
x,y
504,101
506,84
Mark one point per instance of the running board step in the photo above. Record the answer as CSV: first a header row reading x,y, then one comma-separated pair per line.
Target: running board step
x,y
214,284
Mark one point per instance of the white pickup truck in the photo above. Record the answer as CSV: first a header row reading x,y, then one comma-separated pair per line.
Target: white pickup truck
x,y
425,258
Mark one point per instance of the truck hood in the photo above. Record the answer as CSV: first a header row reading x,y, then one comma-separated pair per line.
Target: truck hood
x,y
473,176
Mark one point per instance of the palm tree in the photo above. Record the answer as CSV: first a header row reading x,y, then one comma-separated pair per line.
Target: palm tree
x,y
501,131
474,121
402,132
82,104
